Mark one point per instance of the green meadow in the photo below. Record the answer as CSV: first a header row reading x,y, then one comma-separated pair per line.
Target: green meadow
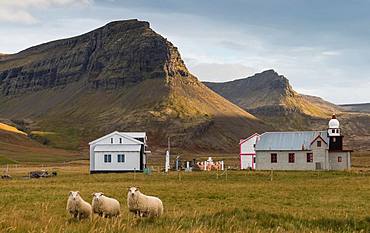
x,y
239,201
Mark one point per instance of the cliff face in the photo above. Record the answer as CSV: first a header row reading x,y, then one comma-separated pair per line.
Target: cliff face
x,y
122,76
120,53
260,90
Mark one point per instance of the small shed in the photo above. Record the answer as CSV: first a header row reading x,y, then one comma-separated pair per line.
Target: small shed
x,y
118,152
247,152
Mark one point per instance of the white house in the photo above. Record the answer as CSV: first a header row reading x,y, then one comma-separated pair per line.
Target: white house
x,y
118,152
247,153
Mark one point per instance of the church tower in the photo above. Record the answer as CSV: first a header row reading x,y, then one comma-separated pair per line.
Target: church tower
x,y
335,137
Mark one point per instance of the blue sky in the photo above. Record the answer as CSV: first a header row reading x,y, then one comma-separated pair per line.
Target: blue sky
x,y
321,46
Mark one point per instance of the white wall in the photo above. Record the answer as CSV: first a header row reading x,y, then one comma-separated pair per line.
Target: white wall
x,y
116,138
333,160
320,154
132,161
263,161
247,147
246,161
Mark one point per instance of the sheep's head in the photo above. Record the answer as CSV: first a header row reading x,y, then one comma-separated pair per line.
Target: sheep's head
x,y
133,192
74,195
97,196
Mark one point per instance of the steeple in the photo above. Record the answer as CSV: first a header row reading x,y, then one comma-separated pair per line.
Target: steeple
x,y
333,129
335,138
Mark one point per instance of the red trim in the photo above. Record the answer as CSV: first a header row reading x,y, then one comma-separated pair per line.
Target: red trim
x,y
243,140
248,154
240,160
318,136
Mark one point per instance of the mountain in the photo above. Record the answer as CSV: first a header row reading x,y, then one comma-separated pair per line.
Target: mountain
x,y
365,107
270,97
122,76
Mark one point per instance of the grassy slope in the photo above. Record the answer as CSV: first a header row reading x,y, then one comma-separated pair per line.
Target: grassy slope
x,y
246,202
365,107
17,148
184,108
5,127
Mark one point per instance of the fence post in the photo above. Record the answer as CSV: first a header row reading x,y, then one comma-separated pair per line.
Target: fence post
x,y
226,173
272,175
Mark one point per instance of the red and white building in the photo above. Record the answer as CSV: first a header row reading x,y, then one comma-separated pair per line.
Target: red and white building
x,y
247,152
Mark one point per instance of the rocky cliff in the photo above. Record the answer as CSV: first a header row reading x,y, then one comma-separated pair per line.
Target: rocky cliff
x,y
122,76
118,54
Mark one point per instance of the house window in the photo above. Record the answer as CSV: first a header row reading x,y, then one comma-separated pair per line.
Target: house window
x,y
121,158
254,159
339,159
120,140
318,143
291,157
107,158
333,130
274,158
111,140
309,157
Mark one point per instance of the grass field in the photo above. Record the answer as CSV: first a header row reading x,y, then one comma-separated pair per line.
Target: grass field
x,y
194,202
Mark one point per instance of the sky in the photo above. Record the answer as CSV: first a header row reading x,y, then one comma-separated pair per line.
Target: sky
x,y
321,46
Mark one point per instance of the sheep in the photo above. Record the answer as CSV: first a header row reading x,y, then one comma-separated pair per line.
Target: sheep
x,y
143,205
77,207
105,206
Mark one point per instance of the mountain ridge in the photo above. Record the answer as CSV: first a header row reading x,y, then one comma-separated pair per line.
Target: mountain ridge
x,y
122,76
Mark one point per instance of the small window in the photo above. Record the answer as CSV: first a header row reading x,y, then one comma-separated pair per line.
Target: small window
x,y
309,158
121,158
107,158
120,140
254,145
274,158
318,143
291,157
111,140
339,159
254,159
333,130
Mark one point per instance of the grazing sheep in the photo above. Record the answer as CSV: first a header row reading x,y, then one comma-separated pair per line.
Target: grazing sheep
x,y
143,205
77,207
105,206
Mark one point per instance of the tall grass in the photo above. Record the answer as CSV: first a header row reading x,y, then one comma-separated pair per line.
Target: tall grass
x,y
199,202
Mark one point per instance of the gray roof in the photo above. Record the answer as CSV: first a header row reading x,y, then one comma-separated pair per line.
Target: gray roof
x,y
300,140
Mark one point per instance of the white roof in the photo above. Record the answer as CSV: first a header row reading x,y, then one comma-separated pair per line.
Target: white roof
x,y
134,134
134,141
117,148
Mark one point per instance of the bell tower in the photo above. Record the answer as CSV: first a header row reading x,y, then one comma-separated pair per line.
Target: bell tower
x,y
335,137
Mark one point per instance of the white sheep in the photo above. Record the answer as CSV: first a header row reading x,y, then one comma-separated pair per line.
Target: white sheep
x,y
105,206
77,207
143,205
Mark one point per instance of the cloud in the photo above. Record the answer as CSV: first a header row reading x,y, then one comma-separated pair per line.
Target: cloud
x,y
21,11
217,72
16,16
